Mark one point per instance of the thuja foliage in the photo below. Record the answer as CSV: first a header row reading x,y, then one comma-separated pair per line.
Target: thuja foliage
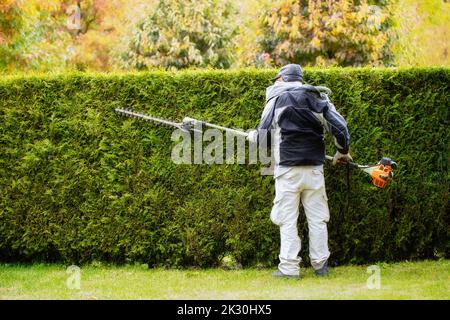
x,y
79,183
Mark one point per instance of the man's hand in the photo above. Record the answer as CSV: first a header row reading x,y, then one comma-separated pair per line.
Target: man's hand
x,y
340,158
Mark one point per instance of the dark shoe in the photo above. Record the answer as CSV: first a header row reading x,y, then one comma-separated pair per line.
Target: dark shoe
x,y
279,274
322,272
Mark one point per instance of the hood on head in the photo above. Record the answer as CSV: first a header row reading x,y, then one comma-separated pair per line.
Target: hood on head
x,y
279,87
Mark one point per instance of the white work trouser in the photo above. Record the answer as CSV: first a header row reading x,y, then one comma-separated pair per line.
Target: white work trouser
x,y
305,183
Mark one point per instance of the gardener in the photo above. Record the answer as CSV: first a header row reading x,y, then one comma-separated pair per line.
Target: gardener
x,y
292,122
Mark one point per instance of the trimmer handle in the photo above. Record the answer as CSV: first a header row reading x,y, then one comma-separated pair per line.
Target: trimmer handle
x,y
352,164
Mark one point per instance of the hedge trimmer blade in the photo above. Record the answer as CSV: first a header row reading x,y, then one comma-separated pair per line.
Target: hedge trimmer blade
x,y
126,112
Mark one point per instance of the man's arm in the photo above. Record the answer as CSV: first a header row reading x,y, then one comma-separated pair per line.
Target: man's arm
x,y
335,124
337,127
262,131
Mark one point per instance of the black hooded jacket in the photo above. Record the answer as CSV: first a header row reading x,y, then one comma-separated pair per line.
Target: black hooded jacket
x,y
295,122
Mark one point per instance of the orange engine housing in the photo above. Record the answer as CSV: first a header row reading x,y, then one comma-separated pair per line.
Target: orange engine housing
x,y
381,175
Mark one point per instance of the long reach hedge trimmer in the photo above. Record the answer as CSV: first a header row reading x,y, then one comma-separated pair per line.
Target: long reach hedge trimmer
x,y
188,124
381,172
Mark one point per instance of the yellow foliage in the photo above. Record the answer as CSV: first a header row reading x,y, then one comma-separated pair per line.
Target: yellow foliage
x,y
423,29
336,31
5,5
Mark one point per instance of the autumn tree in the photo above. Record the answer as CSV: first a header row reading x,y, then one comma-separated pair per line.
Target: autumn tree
x,y
10,22
327,32
32,35
182,34
104,32
422,33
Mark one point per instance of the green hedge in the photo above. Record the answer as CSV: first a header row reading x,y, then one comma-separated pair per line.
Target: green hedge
x,y
79,183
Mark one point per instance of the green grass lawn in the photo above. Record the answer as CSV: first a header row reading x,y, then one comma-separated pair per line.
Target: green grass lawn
x,y
406,280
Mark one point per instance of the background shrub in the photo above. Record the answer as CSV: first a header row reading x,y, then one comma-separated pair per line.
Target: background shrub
x,y
79,183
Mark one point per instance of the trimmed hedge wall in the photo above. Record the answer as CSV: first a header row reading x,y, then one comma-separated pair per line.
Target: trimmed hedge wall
x,y
79,183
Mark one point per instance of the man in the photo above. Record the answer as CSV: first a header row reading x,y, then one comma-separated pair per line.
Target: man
x,y
293,121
